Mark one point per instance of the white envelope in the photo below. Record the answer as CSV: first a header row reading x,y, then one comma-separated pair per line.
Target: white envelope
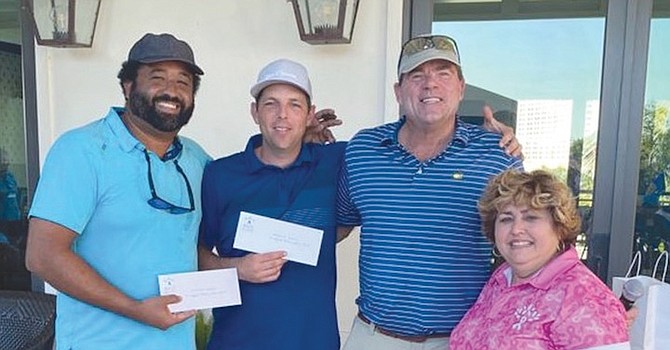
x,y
202,289
261,234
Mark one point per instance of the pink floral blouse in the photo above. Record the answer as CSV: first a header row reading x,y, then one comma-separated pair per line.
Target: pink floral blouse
x,y
564,306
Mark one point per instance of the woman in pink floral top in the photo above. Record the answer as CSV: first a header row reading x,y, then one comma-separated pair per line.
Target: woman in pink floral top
x,y
542,297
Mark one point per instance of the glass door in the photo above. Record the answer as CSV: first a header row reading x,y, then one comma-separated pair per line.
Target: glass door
x,y
539,68
652,217
571,76
13,165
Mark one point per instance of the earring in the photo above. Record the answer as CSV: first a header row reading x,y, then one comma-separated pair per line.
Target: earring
x,y
496,252
561,247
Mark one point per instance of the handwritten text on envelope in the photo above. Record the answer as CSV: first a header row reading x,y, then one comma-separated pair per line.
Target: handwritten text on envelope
x,y
261,234
202,289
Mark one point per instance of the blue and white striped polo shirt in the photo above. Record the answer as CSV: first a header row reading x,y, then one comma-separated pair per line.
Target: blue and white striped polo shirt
x,y
423,258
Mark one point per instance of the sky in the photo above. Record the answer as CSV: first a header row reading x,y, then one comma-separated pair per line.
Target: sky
x,y
549,59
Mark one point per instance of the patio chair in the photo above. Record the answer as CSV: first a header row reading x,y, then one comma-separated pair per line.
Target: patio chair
x,y
13,273
26,320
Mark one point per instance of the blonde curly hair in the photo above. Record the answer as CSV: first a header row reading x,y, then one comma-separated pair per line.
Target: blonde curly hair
x,y
538,189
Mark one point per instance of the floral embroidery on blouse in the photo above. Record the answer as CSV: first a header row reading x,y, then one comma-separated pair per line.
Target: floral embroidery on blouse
x,y
523,314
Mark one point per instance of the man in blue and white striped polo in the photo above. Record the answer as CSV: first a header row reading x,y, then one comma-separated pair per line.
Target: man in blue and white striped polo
x,y
413,186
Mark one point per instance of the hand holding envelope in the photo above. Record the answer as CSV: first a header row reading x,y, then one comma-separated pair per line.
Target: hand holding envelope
x,y
261,267
155,312
261,234
202,289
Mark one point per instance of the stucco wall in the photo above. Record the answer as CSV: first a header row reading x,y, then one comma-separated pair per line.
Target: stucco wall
x,y
232,41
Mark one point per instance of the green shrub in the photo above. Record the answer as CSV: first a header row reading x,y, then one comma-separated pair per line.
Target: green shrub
x,y
203,328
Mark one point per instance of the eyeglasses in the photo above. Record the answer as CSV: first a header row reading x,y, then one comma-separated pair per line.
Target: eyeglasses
x,y
442,43
162,204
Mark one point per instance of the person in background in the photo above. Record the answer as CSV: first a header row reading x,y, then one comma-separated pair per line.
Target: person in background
x,y
413,186
542,297
10,211
118,203
13,275
285,304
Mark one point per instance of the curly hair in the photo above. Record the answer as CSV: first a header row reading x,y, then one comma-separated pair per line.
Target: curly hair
x,y
539,190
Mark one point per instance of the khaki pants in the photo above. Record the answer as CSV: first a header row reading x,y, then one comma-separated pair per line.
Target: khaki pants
x,y
364,337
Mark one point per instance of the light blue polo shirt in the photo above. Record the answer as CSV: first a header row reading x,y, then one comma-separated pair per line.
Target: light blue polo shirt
x,y
94,182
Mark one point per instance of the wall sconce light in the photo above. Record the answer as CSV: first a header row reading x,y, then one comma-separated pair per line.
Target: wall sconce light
x,y
325,21
64,23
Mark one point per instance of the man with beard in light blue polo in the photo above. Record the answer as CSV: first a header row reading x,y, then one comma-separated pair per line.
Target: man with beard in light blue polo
x,y
118,203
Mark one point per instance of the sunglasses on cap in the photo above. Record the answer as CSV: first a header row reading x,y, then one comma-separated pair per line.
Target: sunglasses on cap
x,y
424,48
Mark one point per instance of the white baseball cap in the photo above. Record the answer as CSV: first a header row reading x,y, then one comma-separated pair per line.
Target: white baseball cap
x,y
283,71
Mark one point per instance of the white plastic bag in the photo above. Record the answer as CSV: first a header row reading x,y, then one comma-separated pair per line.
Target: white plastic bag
x,y
651,329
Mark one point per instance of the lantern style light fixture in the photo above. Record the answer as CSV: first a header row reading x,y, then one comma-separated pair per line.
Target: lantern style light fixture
x,y
64,23
325,21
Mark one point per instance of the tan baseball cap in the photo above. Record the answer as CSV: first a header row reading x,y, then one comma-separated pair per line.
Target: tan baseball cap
x,y
422,49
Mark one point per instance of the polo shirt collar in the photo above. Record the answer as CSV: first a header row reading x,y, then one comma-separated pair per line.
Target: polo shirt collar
x,y
544,278
461,133
254,164
126,140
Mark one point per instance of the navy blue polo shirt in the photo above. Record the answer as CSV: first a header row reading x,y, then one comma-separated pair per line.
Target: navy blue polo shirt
x,y
298,310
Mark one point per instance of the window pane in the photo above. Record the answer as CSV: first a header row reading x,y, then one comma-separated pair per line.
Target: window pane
x,y
542,76
652,221
13,178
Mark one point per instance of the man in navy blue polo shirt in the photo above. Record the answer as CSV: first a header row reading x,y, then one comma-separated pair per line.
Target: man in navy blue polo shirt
x,y
413,186
285,304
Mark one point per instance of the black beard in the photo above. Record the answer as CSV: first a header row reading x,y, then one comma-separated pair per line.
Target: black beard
x,y
146,110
